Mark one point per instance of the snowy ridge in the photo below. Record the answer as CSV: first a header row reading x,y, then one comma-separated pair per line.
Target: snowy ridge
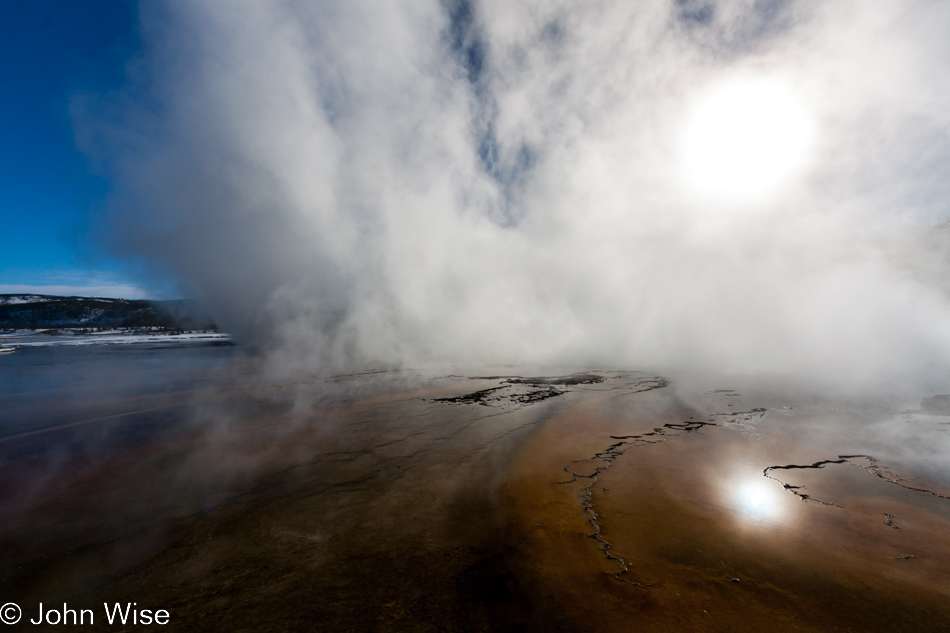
x,y
35,311
7,300
56,338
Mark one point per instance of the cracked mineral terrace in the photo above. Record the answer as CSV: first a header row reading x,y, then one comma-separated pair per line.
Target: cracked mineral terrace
x,y
602,460
872,466
516,391
392,501
692,536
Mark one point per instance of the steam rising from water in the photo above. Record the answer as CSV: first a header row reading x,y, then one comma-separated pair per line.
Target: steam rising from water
x,y
355,182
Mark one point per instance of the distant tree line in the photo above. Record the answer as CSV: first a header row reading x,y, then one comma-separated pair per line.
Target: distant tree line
x,y
99,314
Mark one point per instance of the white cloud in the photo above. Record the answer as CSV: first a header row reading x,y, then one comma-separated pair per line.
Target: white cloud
x,y
123,291
82,282
356,182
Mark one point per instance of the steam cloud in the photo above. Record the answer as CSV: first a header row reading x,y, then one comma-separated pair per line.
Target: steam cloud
x,y
356,183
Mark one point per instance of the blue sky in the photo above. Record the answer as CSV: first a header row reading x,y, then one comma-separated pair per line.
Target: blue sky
x,y
51,51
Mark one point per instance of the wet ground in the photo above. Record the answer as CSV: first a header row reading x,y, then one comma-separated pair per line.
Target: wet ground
x,y
498,500
722,522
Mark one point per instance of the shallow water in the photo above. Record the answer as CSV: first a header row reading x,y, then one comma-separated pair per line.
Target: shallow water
x,y
692,534
189,480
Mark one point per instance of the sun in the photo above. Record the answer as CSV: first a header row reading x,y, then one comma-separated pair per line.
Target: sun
x,y
744,139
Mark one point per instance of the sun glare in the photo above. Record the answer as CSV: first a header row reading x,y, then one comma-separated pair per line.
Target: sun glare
x,y
757,500
745,139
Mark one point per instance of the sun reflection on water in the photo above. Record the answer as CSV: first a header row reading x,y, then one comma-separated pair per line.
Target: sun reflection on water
x,y
758,500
